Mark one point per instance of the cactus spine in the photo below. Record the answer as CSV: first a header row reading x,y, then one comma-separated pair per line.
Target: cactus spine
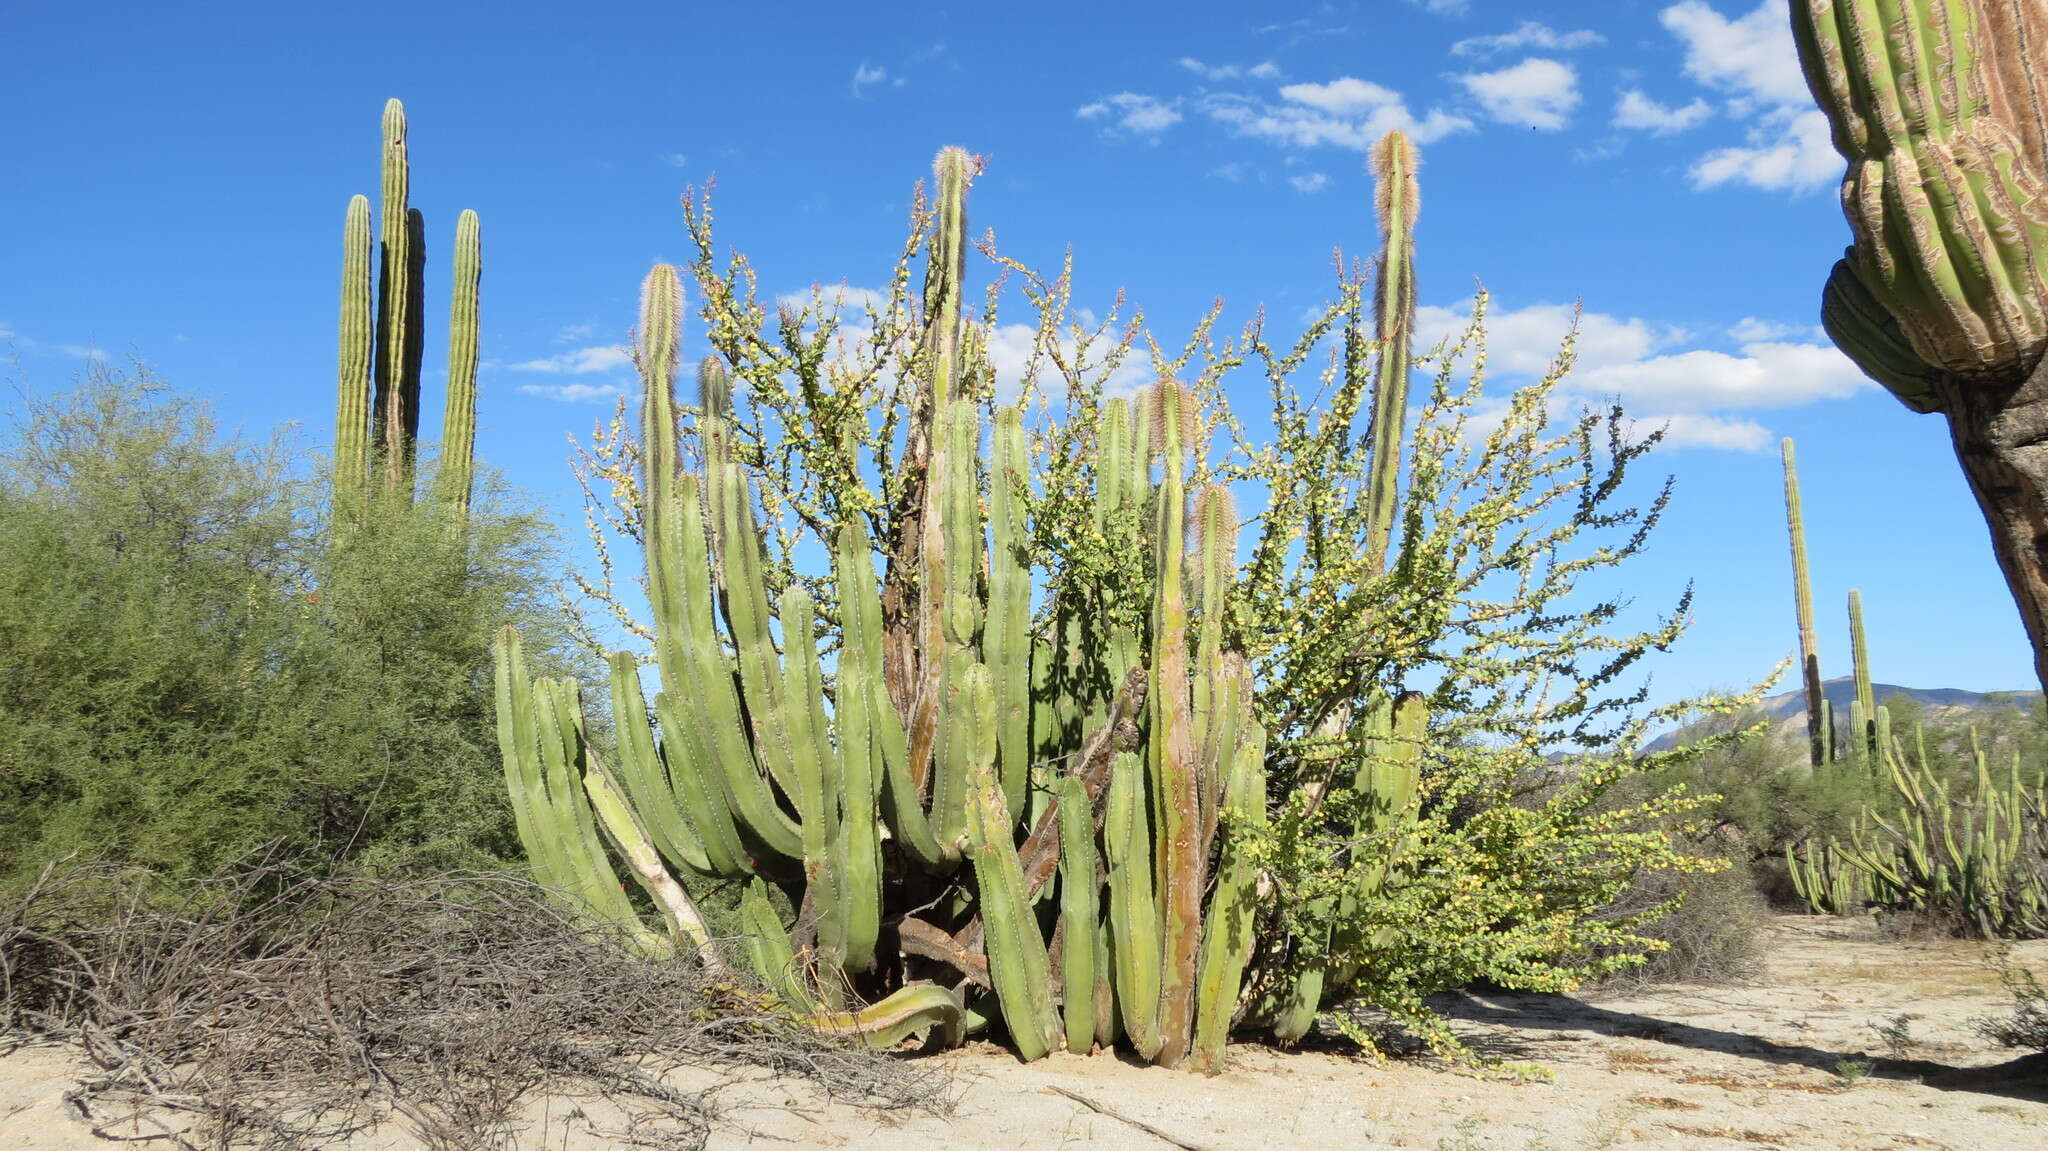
x,y
377,408
1818,725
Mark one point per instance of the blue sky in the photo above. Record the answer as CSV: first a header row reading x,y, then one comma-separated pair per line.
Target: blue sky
x,y
174,181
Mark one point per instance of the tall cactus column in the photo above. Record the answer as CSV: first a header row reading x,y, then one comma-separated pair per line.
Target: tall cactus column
x,y
1818,724
1943,296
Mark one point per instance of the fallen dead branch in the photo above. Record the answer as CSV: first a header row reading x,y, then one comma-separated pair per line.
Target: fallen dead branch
x,y
266,1010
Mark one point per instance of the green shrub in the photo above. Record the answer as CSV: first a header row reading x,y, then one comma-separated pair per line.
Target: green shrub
x,y
189,672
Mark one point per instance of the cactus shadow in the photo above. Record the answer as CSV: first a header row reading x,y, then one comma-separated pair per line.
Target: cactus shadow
x,y
1510,1017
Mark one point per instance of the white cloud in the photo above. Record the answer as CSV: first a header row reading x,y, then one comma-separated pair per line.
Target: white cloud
x,y
1131,112
580,361
1704,394
1689,430
676,160
1752,60
1635,110
1527,34
1538,92
1764,375
1789,150
575,333
1263,70
1346,113
866,76
1012,347
1442,7
1309,183
1751,57
578,393
1751,330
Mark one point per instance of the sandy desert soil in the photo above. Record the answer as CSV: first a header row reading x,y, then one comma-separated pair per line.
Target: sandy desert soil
x,y
1753,1066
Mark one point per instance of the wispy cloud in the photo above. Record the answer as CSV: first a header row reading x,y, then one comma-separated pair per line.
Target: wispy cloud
x,y
1345,113
868,76
11,335
1309,183
1539,92
1528,34
1131,113
579,361
1707,396
1636,111
577,393
676,160
1263,70
1442,7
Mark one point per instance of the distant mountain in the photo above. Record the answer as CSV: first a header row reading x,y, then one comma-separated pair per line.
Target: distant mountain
x,y
1790,706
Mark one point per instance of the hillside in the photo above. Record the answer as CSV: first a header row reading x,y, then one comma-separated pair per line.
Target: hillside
x,y
1788,709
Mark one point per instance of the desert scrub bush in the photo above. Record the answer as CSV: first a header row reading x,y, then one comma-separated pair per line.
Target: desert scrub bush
x,y
2026,1028
266,1007
189,669
1713,933
1349,704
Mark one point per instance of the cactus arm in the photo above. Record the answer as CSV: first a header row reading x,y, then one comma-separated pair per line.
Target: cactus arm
x,y
457,476
816,798
1864,729
685,922
857,844
884,1026
648,786
1079,889
1017,961
1183,856
863,634
1008,642
352,401
394,297
708,688
1227,943
1133,912
699,790
746,602
768,950
519,749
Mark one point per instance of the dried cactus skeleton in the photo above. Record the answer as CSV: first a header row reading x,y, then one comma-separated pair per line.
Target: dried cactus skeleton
x,y
915,805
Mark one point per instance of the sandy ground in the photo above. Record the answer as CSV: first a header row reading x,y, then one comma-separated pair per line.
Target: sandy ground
x,y
1724,1067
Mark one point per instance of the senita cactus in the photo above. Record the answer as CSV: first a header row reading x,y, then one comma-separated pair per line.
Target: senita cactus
x,y
898,817
377,409
1943,296
1818,723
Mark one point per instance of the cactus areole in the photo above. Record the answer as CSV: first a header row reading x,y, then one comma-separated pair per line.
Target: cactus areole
x,y
1943,296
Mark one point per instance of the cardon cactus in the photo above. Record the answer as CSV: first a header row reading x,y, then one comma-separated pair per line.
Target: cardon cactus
x,y
377,407
1818,722
882,808
1943,296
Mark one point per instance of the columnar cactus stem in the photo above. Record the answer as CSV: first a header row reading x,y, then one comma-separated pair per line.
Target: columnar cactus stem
x,y
458,424
1397,200
395,304
1802,595
352,402
1176,778
1864,729
1080,913
1133,913
1016,955
1008,641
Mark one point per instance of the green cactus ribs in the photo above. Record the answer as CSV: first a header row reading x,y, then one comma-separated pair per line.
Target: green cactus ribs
x,y
960,796
377,406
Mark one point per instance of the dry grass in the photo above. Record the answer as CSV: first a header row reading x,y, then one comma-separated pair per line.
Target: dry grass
x,y
265,1010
